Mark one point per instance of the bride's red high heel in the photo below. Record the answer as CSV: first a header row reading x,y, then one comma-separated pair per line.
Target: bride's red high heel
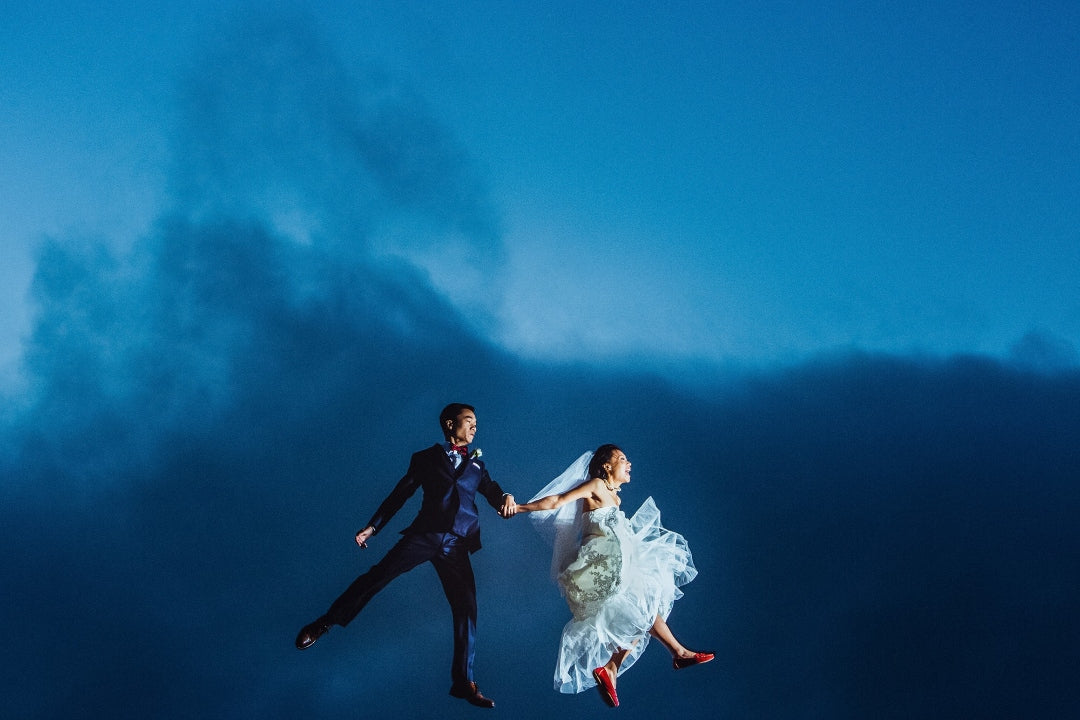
x,y
698,658
607,690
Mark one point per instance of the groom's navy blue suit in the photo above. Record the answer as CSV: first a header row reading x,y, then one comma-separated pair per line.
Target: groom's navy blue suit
x,y
444,533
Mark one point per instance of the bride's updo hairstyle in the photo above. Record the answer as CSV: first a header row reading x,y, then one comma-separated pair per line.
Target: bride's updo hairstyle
x,y
603,454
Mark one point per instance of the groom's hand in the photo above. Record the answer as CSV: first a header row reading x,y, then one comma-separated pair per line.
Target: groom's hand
x,y
509,508
363,535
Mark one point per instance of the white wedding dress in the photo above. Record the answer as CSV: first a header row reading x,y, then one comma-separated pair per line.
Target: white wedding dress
x,y
626,572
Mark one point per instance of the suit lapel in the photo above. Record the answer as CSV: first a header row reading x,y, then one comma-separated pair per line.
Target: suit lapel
x,y
465,462
455,473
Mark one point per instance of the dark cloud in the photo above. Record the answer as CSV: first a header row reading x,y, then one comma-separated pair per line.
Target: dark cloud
x,y
1045,351
902,531
212,413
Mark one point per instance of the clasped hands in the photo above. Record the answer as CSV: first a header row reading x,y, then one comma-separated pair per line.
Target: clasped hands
x,y
509,508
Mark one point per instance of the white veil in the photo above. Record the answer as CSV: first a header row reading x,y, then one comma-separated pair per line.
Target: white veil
x,y
562,527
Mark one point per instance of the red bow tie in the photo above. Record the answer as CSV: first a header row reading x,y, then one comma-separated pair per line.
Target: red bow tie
x,y
462,450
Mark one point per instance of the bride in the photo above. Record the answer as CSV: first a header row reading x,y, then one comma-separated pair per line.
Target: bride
x,y
620,576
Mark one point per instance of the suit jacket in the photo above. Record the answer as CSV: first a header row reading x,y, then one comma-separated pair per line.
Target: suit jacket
x,y
449,498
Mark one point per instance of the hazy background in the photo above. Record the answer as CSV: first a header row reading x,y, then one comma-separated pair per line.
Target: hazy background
x,y
814,269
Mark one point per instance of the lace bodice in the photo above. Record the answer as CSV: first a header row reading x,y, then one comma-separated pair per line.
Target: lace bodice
x,y
601,521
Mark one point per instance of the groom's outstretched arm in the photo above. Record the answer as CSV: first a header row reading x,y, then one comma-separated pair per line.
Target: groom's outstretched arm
x,y
503,502
404,490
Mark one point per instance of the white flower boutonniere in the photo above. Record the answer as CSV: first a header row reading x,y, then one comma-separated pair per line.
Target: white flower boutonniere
x,y
476,454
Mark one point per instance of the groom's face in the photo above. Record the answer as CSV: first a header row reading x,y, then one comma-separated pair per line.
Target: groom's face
x,y
463,428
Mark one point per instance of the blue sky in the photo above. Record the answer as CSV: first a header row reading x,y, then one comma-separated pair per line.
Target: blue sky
x,y
813,268
762,182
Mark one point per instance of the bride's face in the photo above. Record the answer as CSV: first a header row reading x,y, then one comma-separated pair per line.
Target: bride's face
x,y
619,468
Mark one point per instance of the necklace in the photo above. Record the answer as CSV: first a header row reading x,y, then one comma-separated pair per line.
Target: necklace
x,y
610,487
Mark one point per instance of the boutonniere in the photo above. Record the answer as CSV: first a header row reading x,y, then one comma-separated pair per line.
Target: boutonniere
x,y
476,454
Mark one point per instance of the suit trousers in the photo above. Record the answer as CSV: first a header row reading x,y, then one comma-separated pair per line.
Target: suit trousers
x,y
448,554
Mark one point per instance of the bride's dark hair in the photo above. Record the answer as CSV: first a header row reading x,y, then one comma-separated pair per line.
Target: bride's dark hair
x,y
603,454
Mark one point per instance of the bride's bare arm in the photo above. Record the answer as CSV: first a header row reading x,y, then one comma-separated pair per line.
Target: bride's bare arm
x,y
553,502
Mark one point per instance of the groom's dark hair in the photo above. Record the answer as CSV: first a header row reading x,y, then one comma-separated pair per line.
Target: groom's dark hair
x,y
603,454
450,412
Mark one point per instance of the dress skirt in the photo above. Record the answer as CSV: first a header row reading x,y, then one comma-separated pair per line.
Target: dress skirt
x,y
627,572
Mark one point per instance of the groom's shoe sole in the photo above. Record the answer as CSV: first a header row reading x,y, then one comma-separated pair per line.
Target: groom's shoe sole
x,y
471,694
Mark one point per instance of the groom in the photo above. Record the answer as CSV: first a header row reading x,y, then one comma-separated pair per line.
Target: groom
x,y
445,532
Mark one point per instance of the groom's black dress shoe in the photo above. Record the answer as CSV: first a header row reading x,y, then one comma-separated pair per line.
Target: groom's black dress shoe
x,y
312,632
472,693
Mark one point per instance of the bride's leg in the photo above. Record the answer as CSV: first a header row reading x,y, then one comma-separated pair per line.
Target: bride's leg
x,y
616,662
662,632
